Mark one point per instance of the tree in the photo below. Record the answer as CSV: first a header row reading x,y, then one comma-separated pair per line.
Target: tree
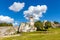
x,y
38,25
6,24
56,22
47,25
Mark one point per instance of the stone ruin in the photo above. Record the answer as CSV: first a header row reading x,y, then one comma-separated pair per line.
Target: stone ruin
x,y
28,27
24,27
7,31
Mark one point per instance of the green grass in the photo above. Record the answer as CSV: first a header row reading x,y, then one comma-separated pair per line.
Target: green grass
x,y
52,34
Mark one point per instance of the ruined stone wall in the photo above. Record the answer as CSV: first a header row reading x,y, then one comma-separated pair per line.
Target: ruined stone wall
x,y
6,31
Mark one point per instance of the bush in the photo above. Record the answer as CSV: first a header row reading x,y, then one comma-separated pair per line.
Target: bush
x,y
38,25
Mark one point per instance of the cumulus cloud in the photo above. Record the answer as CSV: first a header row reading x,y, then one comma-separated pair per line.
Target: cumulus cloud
x,y
16,6
6,19
35,11
16,23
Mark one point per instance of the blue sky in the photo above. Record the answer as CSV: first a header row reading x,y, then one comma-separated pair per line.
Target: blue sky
x,y
52,13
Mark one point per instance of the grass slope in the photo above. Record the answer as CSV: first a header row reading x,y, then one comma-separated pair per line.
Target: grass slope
x,y
52,34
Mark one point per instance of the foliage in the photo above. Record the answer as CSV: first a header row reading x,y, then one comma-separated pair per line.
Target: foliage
x,y
47,25
39,25
6,24
56,22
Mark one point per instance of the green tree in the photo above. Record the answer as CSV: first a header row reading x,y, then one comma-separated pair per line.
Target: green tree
x,y
56,22
38,25
6,24
47,25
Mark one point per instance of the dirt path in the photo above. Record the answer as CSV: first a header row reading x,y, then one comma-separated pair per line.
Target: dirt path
x,y
11,35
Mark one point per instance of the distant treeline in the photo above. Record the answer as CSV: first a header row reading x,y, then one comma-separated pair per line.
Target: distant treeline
x,y
6,24
44,25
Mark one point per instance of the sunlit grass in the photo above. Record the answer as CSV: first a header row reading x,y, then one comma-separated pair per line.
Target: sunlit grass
x,y
51,34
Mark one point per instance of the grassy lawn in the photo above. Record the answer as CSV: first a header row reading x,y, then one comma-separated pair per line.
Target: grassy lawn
x,y
52,34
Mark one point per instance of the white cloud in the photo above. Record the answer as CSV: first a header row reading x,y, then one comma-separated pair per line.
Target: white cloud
x,y
17,6
6,19
35,11
16,23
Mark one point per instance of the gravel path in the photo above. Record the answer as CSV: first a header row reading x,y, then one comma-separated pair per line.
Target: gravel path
x,y
11,35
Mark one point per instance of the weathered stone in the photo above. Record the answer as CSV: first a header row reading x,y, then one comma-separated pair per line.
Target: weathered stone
x,y
6,31
25,27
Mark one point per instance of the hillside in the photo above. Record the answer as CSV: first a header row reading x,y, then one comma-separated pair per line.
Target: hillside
x,y
51,34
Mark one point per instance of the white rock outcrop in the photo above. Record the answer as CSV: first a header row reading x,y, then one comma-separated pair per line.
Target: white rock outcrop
x,y
6,31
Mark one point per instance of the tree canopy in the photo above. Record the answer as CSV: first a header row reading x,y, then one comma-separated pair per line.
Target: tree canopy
x,y
56,22
38,24
47,25
6,24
